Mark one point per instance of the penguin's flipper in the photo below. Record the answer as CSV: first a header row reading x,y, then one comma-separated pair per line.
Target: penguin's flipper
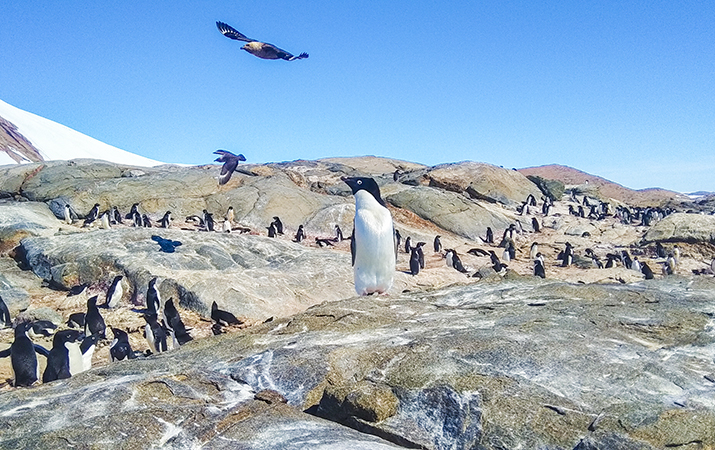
x,y
5,353
352,244
41,350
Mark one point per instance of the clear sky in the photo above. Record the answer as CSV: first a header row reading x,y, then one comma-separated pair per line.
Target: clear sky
x,y
620,89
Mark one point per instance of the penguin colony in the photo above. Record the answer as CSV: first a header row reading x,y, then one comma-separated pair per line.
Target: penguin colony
x,y
73,344
374,244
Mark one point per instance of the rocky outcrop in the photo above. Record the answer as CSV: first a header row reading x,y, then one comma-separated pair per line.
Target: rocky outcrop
x,y
21,220
483,182
307,193
552,189
252,276
683,227
493,365
452,211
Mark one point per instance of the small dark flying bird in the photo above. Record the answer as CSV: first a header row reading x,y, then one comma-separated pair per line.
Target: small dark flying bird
x,y
230,162
262,50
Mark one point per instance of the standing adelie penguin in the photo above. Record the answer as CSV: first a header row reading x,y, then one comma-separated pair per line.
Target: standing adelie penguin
x,y
65,357
154,334
230,215
535,225
490,236
567,256
93,321
116,216
437,244
415,261
373,243
115,292
408,245
539,269
646,270
299,235
153,299
421,253
120,348
132,211
165,221
272,230
338,234
449,257
278,224
534,250
208,221
5,320
68,214
176,327
104,220
137,220
23,359
92,215
398,239
146,222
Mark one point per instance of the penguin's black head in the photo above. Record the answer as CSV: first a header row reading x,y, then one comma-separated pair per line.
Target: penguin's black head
x,y
64,336
92,301
151,317
364,183
119,334
21,328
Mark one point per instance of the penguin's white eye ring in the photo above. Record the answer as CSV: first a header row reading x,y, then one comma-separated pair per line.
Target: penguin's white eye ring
x,y
359,182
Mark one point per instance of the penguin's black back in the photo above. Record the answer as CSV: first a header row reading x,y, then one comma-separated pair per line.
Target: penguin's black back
x,y
415,261
23,357
173,321
93,321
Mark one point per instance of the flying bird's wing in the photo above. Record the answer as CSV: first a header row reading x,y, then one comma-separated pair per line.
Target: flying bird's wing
x,y
279,53
231,33
227,170
227,153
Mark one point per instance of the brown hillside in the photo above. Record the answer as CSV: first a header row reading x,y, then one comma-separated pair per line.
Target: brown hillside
x,y
606,188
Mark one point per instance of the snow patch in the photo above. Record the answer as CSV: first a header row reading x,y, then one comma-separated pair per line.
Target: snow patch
x,y
58,142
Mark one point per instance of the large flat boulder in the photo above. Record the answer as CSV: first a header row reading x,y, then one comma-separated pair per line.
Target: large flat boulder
x,y
19,220
492,365
453,212
683,227
484,182
252,276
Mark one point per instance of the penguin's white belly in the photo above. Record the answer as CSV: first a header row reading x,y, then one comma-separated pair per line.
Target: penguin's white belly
x,y
116,296
75,358
374,266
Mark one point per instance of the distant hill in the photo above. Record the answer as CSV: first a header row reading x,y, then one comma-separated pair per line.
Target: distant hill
x,y
26,137
606,188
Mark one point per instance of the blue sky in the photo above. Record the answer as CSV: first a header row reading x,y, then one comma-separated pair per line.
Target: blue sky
x,y
624,90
